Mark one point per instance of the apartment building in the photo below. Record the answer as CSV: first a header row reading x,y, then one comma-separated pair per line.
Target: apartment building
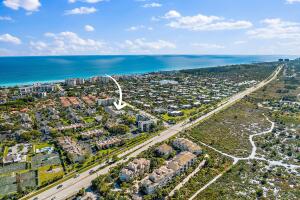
x,y
162,176
187,145
135,168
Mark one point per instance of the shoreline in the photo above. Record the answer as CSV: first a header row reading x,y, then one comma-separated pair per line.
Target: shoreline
x,y
29,83
24,84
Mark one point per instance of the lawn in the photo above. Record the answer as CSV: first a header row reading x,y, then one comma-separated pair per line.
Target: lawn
x,y
89,120
46,175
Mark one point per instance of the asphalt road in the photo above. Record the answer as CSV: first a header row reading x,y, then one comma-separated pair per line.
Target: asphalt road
x,y
73,185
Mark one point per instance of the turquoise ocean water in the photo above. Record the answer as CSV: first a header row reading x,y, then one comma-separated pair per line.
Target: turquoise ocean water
x,y
28,70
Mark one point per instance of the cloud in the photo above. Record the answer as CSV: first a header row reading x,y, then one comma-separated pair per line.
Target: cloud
x,y
276,28
292,1
5,18
81,11
66,43
152,5
10,39
136,28
208,46
89,28
39,45
172,14
142,45
86,1
204,23
29,5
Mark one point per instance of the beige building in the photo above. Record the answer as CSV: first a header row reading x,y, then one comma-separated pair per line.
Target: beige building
x,y
187,145
135,168
164,150
160,177
182,162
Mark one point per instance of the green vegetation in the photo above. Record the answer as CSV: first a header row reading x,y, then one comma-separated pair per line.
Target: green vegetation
x,y
49,174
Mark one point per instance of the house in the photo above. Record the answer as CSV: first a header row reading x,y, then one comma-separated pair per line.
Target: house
x,y
17,153
106,101
135,168
187,145
91,133
175,113
164,150
112,111
72,148
105,144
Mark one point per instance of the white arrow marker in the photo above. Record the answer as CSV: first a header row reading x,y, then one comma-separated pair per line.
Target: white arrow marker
x,y
119,105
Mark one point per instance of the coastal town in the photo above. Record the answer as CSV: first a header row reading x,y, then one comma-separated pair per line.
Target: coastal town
x,y
53,132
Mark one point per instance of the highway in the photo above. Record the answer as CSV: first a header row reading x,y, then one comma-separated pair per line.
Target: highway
x,y
84,180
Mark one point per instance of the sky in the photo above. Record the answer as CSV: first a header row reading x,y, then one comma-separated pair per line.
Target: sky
x,y
105,27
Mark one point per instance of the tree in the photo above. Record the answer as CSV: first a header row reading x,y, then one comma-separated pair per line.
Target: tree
x,y
81,192
119,129
259,192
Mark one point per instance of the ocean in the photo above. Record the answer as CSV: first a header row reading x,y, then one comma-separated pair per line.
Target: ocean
x,y
28,70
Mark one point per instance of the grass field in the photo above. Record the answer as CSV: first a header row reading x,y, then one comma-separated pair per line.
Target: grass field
x,y
46,175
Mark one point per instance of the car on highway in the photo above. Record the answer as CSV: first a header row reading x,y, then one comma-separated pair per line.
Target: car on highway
x,y
91,171
60,186
76,175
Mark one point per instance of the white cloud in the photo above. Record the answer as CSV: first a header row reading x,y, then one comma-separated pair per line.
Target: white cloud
x,y
136,28
142,45
292,1
66,43
172,14
5,18
276,29
10,39
81,11
86,1
204,23
208,46
39,45
152,5
89,28
29,5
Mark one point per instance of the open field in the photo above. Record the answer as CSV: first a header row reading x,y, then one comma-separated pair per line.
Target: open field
x,y
251,180
256,179
229,130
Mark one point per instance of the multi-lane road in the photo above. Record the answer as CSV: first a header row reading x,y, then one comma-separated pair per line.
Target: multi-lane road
x,y
84,180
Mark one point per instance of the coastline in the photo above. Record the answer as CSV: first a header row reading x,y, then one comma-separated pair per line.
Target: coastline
x,y
24,84
29,72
